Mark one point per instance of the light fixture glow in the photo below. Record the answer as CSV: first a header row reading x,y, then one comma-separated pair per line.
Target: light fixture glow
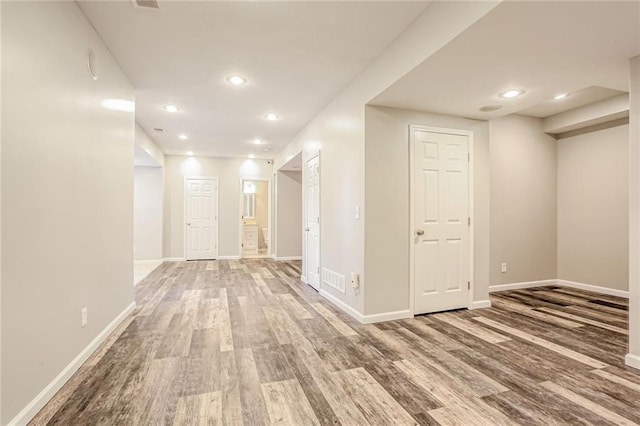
x,y
272,117
560,96
189,153
236,80
123,105
252,156
171,108
510,94
183,137
257,142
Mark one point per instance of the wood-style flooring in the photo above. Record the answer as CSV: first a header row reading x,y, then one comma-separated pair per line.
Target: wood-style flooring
x,y
244,342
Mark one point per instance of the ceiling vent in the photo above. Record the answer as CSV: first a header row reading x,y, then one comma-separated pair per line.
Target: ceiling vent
x,y
147,4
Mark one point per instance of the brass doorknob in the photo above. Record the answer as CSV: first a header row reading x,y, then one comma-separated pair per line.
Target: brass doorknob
x,y
420,232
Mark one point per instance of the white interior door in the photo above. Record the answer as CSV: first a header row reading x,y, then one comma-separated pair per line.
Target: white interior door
x,y
201,218
441,221
312,225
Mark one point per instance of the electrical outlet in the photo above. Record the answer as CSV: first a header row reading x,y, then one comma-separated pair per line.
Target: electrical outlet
x,y
355,280
504,268
84,317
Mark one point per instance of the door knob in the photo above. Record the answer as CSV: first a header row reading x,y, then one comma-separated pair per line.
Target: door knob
x,y
420,232
306,229
188,224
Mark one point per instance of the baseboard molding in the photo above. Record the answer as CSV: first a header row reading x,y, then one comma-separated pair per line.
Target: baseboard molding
x,y
148,262
387,316
29,412
174,259
340,304
228,258
286,258
632,361
480,304
519,286
303,279
594,288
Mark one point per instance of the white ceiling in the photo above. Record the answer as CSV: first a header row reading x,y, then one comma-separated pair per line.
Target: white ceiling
x,y
143,158
293,164
542,47
296,56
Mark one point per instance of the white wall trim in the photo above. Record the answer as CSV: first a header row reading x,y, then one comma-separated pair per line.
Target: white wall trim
x,y
594,288
29,412
387,316
148,262
340,304
518,286
286,258
228,257
480,304
632,361
562,283
174,259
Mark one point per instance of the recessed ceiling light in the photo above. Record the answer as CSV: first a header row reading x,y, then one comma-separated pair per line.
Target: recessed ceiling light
x,y
258,142
189,153
183,137
252,156
510,94
272,117
490,108
123,105
236,80
560,96
171,108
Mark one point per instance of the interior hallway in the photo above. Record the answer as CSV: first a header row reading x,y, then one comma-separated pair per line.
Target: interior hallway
x,y
244,342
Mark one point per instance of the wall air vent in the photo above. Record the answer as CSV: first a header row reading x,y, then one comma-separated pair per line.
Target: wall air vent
x,y
147,4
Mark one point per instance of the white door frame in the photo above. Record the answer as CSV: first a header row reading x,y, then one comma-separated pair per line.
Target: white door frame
x,y
412,225
184,213
240,215
305,159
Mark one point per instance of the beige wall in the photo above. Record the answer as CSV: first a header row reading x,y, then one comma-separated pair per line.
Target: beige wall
x,y
593,213
147,213
289,214
67,195
339,132
387,230
523,201
229,172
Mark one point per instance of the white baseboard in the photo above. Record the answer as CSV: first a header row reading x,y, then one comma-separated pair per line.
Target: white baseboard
x,y
562,283
148,262
340,304
174,259
519,286
480,304
29,412
286,258
632,361
387,316
228,258
594,288
304,279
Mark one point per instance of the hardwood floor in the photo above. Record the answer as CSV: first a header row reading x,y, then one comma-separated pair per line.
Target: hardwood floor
x,y
243,342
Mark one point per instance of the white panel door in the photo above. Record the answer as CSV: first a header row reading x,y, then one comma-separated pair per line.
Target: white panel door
x,y
441,219
312,226
201,218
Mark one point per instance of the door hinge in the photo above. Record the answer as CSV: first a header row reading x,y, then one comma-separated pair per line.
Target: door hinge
x,y
469,221
468,285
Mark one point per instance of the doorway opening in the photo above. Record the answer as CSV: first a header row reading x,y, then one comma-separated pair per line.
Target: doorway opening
x,y
255,218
